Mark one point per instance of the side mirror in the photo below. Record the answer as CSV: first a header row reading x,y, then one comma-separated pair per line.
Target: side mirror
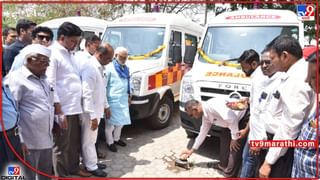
x,y
190,54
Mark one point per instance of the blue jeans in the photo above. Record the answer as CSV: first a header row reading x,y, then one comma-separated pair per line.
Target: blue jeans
x,y
250,163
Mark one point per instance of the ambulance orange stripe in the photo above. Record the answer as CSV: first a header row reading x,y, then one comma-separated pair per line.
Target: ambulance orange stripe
x,y
167,76
158,80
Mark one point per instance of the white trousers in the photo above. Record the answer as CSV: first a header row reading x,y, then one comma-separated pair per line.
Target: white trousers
x,y
112,132
88,140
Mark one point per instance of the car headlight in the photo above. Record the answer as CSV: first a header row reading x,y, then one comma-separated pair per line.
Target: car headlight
x,y
187,90
136,85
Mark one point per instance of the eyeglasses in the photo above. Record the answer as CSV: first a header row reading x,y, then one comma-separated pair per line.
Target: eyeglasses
x,y
13,36
42,37
40,59
266,62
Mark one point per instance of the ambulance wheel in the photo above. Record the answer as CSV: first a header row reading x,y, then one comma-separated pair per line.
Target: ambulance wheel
x,y
161,117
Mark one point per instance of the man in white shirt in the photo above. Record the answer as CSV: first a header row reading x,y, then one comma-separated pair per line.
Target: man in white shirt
x,y
94,105
34,98
250,64
294,96
267,79
63,74
91,45
215,112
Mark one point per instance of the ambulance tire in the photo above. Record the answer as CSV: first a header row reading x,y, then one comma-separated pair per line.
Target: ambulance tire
x,y
162,116
191,135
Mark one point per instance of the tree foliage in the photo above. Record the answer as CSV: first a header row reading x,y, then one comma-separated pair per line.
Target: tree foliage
x,y
43,12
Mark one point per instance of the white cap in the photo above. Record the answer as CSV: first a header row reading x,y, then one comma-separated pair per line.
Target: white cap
x,y
34,49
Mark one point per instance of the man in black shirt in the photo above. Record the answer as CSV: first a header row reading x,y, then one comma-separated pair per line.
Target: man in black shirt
x,y
24,29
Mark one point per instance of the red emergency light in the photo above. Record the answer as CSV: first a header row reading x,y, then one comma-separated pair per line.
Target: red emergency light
x,y
258,16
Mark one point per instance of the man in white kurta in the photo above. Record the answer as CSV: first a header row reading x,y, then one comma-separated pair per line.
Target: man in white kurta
x,y
94,105
118,94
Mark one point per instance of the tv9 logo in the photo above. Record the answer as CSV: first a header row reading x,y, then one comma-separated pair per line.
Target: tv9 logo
x,y
306,12
13,170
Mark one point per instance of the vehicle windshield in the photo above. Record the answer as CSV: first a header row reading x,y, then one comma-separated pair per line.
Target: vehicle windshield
x,y
222,44
138,40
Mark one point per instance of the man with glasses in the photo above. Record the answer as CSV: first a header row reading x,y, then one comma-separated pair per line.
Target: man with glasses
x,y
40,35
34,97
216,112
252,155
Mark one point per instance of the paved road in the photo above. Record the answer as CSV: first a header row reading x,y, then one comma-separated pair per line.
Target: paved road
x,y
151,153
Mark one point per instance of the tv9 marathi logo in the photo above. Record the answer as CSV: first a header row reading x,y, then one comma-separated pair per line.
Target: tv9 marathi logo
x,y
13,170
306,12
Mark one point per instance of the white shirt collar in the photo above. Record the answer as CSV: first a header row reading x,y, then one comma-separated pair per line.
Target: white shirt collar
x,y
293,69
27,73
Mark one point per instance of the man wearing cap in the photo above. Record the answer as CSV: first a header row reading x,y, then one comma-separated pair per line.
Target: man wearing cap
x,y
215,111
34,99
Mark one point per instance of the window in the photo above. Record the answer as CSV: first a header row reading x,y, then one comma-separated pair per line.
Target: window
x,y
190,48
175,46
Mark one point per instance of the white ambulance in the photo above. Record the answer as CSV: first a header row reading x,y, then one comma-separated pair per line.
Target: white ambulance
x,y
159,45
215,71
89,25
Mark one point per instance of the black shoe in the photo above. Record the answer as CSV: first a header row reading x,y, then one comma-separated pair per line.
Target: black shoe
x,y
101,166
99,173
112,147
120,143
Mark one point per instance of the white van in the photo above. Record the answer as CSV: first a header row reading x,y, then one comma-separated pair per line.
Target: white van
x,y
159,45
89,25
215,71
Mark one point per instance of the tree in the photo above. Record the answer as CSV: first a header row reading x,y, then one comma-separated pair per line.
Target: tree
x,y
43,12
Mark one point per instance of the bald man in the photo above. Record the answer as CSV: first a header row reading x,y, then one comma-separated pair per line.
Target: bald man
x,y
94,105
